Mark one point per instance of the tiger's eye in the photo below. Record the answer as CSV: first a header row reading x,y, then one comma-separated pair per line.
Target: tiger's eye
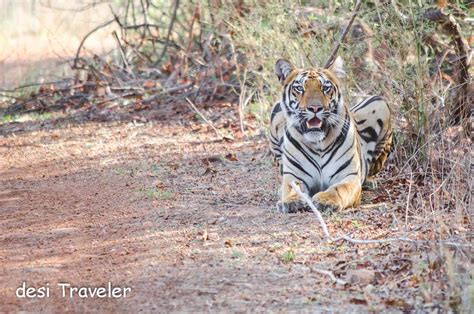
x,y
298,89
326,88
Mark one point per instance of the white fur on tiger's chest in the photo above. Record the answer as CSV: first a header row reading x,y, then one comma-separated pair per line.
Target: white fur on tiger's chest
x,y
312,172
319,168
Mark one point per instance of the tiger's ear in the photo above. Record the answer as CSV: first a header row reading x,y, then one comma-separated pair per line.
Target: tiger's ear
x,y
283,68
337,67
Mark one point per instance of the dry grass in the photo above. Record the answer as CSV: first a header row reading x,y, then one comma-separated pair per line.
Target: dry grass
x,y
388,54
390,59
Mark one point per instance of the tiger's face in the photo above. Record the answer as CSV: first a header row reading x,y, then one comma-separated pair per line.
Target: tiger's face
x,y
311,99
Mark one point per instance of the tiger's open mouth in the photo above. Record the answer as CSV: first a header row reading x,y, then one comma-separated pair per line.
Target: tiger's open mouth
x,y
314,123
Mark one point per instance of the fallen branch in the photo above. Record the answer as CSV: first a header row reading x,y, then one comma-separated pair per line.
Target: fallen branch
x,y
33,85
333,54
19,106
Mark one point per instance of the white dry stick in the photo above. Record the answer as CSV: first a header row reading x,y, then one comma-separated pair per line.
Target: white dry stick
x,y
308,200
408,201
330,275
358,241
304,196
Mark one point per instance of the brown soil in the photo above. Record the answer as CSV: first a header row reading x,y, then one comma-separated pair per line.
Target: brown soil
x,y
184,219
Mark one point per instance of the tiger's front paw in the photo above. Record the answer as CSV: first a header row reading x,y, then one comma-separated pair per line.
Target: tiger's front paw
x,y
291,207
325,202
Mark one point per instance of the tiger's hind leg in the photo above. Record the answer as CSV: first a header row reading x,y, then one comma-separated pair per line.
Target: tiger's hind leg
x,y
373,122
383,150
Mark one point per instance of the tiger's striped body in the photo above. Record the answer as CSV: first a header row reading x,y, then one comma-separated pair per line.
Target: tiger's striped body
x,y
325,146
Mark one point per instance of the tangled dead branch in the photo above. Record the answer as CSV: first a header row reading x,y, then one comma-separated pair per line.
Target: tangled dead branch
x,y
147,67
460,107
333,54
170,29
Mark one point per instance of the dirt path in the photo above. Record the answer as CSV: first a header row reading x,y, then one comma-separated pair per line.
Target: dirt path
x,y
184,220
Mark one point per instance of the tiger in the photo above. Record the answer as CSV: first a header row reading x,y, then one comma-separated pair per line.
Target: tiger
x,y
328,148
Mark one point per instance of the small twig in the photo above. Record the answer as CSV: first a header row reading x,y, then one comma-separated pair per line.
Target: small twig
x,y
402,16
263,229
359,241
76,59
145,18
331,276
167,91
313,207
115,98
140,54
203,117
122,52
148,25
243,102
32,85
333,54
8,96
15,107
117,19
191,29
170,29
123,88
408,201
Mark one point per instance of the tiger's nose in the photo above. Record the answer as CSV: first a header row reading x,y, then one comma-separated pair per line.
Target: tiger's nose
x,y
314,109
